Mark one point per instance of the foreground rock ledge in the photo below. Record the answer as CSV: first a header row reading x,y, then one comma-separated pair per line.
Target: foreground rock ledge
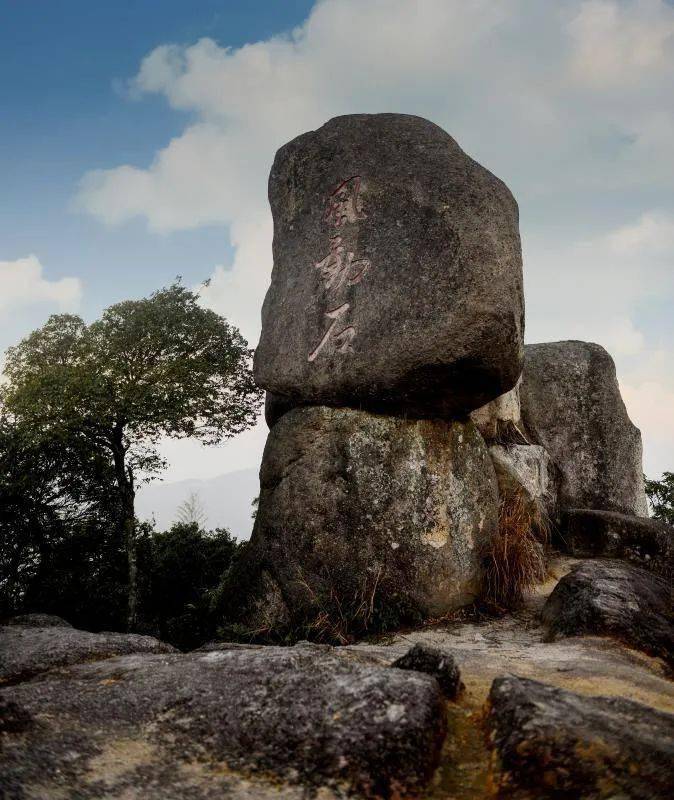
x,y
557,744
305,715
29,651
397,280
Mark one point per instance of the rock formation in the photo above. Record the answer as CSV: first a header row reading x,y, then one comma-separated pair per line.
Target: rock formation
x,y
611,598
571,405
397,280
388,511
558,744
27,650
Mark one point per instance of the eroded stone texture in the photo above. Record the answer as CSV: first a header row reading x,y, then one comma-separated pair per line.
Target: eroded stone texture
x,y
397,280
558,744
608,597
648,543
500,419
526,468
29,651
184,726
436,662
386,514
571,405
37,621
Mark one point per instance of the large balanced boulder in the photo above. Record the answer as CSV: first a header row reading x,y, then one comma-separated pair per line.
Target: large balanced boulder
x,y
26,651
397,279
165,727
558,744
364,515
646,542
609,597
571,405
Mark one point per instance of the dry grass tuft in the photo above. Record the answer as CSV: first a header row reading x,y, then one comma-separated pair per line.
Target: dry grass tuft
x,y
516,559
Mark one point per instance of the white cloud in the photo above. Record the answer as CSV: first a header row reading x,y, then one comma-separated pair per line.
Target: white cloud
x,y
562,100
23,284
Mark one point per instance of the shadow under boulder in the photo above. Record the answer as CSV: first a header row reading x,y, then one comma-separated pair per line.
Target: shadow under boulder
x,y
646,542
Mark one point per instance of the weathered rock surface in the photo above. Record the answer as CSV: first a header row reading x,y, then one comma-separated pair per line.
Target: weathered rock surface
x,y
397,280
571,405
37,621
500,419
648,543
177,726
558,744
384,514
28,651
613,598
436,662
526,468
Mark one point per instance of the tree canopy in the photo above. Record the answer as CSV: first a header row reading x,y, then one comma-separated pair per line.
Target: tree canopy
x,y
163,366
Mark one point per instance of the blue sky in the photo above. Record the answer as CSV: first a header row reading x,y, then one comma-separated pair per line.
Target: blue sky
x,y
136,138
64,111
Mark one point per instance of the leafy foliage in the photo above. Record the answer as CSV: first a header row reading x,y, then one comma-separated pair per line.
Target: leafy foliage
x,y
661,496
158,367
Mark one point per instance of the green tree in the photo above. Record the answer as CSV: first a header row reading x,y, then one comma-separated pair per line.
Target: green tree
x,y
661,496
158,367
47,488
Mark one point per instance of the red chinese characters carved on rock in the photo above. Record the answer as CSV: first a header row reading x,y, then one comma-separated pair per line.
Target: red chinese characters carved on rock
x,y
340,267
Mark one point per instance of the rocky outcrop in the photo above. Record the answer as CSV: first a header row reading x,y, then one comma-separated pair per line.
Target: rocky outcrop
x,y
37,621
436,662
397,280
378,515
648,543
553,743
29,651
527,469
500,419
571,405
613,598
172,726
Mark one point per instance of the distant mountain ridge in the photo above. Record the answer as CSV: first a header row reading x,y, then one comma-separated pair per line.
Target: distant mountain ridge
x,y
226,501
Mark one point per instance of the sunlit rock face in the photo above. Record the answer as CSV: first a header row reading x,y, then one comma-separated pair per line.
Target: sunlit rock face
x,y
395,510
397,280
500,419
571,405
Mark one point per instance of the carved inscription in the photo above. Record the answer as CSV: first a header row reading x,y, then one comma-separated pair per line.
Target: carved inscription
x,y
340,267
344,203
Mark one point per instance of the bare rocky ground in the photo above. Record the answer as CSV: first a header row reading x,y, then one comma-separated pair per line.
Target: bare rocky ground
x,y
229,721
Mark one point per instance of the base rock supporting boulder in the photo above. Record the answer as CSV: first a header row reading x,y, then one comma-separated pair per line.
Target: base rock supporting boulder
x,y
558,744
397,280
171,726
29,651
571,405
613,598
364,515
648,543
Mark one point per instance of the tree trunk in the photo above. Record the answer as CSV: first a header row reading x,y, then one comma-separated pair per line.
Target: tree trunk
x,y
127,492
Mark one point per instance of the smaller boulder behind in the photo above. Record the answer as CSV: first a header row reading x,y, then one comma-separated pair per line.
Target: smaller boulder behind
x,y
433,661
646,542
612,598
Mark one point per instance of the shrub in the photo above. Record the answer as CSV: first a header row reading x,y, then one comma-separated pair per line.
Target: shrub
x,y
515,560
